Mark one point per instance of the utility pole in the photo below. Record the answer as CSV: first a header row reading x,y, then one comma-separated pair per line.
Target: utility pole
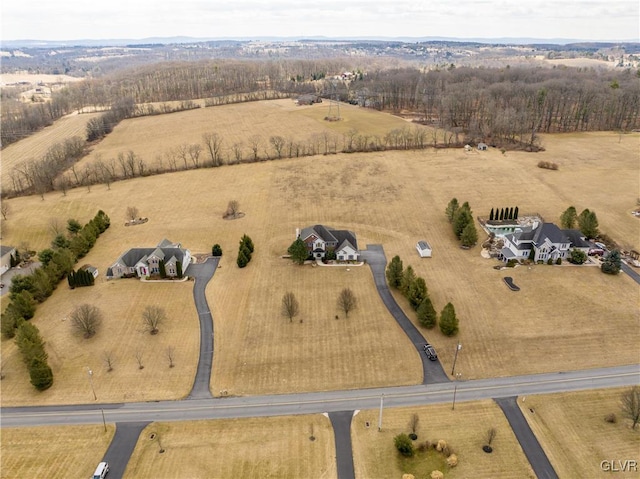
x,y
455,358
95,398
455,390
380,417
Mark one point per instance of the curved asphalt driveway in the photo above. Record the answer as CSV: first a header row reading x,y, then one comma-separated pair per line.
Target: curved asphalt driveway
x,y
203,273
432,371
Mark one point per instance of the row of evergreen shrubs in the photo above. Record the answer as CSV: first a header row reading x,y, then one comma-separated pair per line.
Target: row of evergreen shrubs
x,y
414,288
27,290
80,278
504,214
461,219
244,251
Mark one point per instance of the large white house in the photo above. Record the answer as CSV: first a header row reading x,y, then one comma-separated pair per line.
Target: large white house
x,y
142,262
320,239
546,240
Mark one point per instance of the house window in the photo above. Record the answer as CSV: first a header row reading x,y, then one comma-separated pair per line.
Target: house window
x,y
350,256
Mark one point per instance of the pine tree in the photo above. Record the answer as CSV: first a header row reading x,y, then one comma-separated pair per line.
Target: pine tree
x,y
515,213
408,277
163,269
449,321
588,223
216,250
179,269
394,272
242,260
451,209
491,215
569,218
469,236
612,262
511,213
461,219
245,240
501,214
40,374
298,251
71,279
417,292
427,315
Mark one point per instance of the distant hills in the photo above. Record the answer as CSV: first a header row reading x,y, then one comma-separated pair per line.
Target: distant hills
x,y
30,43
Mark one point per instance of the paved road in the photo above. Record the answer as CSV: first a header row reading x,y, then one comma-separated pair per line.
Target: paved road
x,y
202,273
432,371
122,445
341,422
528,441
7,277
631,272
319,402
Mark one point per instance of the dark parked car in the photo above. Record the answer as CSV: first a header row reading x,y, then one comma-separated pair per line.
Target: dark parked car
x,y
430,352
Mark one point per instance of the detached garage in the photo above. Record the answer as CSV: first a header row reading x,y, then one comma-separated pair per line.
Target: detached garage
x,y
424,250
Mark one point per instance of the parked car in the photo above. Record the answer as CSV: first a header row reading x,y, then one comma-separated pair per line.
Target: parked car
x,y
430,352
596,252
101,471
602,246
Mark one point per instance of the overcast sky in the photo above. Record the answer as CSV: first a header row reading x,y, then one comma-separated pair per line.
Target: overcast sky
x,y
136,19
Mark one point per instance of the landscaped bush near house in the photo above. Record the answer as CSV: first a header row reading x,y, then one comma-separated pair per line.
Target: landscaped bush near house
x,y
548,165
550,261
559,261
216,250
403,445
511,263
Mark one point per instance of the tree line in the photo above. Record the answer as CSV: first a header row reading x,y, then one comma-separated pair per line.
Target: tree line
x,y
28,290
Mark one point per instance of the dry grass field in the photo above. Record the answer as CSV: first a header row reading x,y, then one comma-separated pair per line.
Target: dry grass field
x,y
35,146
278,447
56,452
375,456
576,438
392,198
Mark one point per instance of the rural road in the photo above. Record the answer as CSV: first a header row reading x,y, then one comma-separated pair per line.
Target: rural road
x,y
432,371
202,273
630,272
320,402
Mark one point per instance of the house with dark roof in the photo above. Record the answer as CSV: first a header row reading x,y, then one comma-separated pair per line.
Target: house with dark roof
x,y
546,240
143,262
6,252
321,239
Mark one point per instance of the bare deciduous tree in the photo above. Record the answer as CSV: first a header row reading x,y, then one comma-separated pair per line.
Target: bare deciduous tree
x,y
55,226
86,319
254,144
278,144
107,357
213,144
491,435
4,209
630,403
347,301
233,208
290,306
139,356
170,354
132,212
153,316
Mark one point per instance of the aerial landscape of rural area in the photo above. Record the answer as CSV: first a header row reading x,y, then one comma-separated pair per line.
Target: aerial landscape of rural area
x,y
371,240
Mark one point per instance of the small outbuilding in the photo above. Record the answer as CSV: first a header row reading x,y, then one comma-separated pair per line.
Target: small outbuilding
x,y
90,269
424,249
482,146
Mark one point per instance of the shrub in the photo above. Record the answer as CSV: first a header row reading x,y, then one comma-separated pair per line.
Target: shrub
x,y
452,460
40,373
440,445
511,263
611,418
547,165
449,321
216,250
550,261
436,475
559,261
404,445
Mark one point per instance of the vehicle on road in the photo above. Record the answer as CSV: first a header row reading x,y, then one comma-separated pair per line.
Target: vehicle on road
x,y
430,352
602,246
596,252
101,470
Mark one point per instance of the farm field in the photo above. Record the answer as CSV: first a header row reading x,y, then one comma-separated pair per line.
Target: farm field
x,y
464,430
257,447
35,146
576,438
388,198
56,452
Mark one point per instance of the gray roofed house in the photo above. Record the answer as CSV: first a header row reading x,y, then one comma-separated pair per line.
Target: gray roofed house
x,y
142,262
5,261
320,239
546,240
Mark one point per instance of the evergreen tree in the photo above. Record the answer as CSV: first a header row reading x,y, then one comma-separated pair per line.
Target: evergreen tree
x,y
179,269
245,249
29,342
245,240
451,209
71,279
511,213
427,315
73,226
40,374
216,250
588,223
9,323
417,292
569,218
298,251
23,305
491,215
469,236
60,242
162,268
612,262
242,259
449,321
515,213
408,277
45,256
461,219
394,272
501,214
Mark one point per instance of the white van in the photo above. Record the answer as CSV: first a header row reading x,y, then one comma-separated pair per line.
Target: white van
x,y
101,471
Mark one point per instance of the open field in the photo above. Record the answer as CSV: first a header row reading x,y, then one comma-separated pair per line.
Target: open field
x,y
391,198
35,146
576,438
375,456
56,452
153,136
258,447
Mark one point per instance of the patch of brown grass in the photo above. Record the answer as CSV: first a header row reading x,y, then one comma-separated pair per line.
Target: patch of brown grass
x,y
256,447
464,429
53,451
572,430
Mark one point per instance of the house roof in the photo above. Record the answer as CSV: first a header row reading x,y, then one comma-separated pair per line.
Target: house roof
x,y
551,232
5,249
340,237
523,243
576,238
135,255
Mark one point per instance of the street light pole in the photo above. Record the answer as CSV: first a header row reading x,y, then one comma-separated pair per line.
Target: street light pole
x,y
95,398
455,390
455,358
380,417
